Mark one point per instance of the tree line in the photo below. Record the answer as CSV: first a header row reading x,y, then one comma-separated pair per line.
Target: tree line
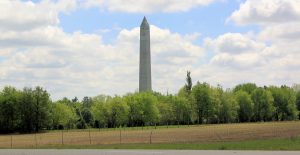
x,y
31,109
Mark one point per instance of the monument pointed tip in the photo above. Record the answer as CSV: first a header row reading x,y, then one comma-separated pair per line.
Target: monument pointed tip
x,y
144,22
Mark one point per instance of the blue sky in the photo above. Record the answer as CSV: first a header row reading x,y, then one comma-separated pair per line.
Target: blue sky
x,y
90,47
209,20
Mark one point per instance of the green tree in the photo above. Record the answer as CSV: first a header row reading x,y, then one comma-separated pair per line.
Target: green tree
x,y
184,93
298,103
87,116
263,104
203,101
136,110
151,113
284,102
100,111
27,109
63,116
245,110
181,109
87,102
118,112
229,108
9,112
247,87
189,84
142,109
216,105
80,123
41,104
165,108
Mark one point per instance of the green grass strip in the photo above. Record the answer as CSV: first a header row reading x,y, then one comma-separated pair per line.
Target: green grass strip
x,y
271,144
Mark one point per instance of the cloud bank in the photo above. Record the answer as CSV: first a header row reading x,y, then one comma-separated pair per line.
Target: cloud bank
x,y
35,50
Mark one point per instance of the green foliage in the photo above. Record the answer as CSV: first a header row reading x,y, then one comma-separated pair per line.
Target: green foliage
x,y
263,104
245,110
247,87
30,110
189,84
63,115
24,111
27,109
218,108
142,109
118,112
203,102
166,110
100,112
9,102
41,104
87,102
298,102
181,109
229,108
285,103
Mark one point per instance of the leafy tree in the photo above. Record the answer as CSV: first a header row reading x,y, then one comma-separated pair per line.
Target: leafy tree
x,y
203,101
135,116
41,104
9,114
216,104
247,87
87,102
80,124
164,105
151,113
189,84
75,99
298,102
87,116
100,111
183,93
142,109
263,104
118,112
284,102
245,110
66,101
63,116
27,109
229,108
181,109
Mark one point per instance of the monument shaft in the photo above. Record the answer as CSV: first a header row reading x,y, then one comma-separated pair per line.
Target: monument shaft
x,y
145,58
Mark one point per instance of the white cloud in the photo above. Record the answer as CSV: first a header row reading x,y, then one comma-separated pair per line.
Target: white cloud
x,y
266,11
235,50
146,6
78,64
273,51
25,15
233,43
38,52
239,58
283,32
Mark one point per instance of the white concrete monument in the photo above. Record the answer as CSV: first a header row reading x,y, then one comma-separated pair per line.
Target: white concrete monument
x,y
145,58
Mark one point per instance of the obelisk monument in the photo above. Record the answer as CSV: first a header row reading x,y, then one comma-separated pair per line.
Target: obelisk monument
x,y
145,58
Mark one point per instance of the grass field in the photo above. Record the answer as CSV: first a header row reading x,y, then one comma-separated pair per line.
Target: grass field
x,y
269,136
269,144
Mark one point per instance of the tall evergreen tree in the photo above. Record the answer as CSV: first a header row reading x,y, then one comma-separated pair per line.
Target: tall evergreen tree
x,y
189,83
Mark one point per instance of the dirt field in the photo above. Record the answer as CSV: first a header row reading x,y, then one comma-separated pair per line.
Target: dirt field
x,y
181,134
